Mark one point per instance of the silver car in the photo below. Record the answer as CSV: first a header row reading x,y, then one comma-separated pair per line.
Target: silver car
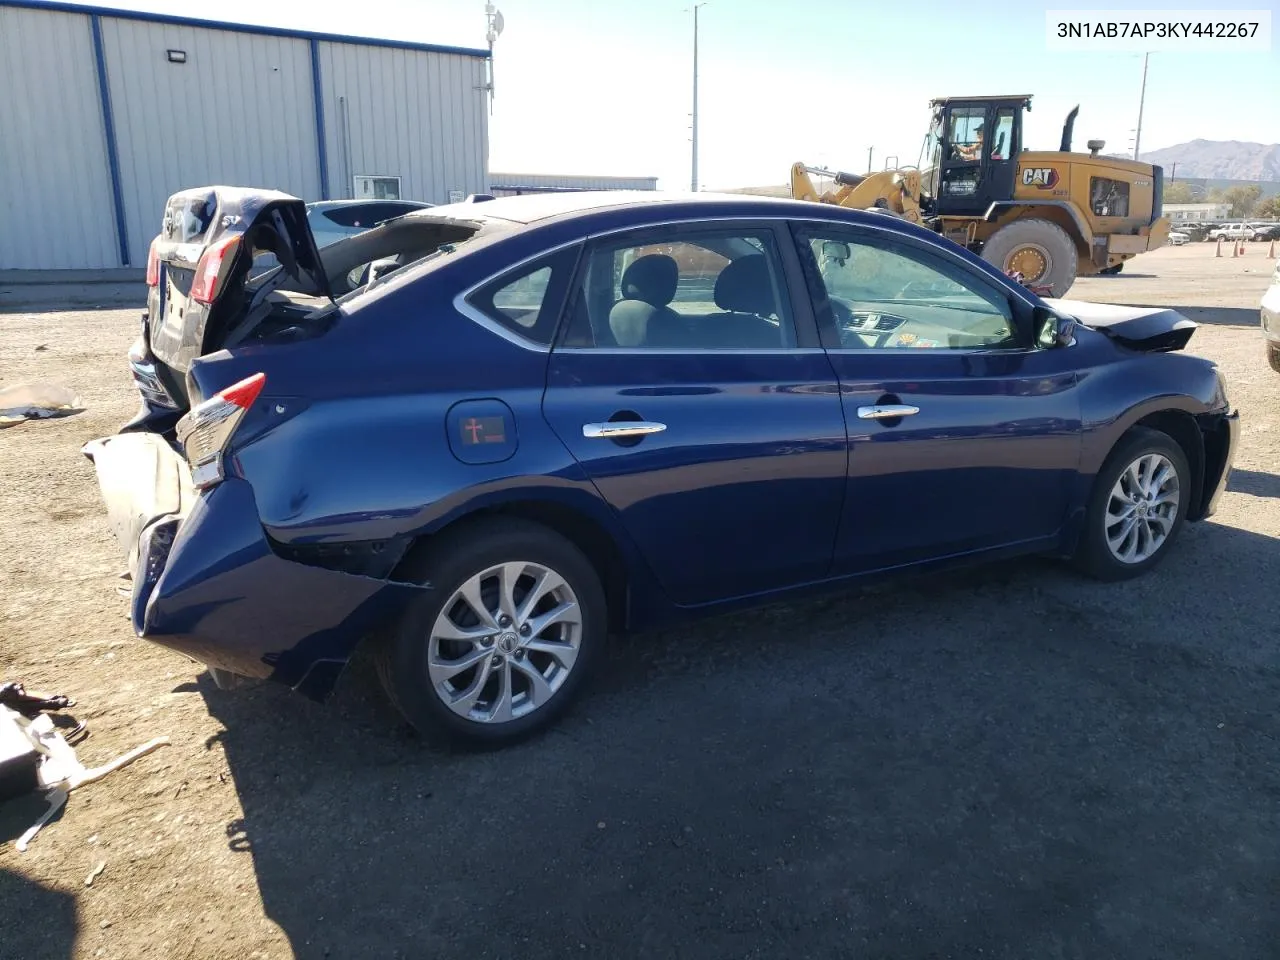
x,y
1271,319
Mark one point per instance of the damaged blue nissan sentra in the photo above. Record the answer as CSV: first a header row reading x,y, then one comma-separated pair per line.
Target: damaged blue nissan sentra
x,y
486,435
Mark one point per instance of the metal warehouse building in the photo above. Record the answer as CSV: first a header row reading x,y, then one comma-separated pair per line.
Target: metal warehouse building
x,y
105,113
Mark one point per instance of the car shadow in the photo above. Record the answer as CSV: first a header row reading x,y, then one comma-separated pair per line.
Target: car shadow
x,y
1254,483
1010,761
35,921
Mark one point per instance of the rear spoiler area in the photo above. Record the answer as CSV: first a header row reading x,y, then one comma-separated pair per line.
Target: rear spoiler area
x,y
1146,329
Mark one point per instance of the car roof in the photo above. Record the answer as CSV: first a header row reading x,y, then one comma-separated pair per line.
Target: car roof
x,y
532,207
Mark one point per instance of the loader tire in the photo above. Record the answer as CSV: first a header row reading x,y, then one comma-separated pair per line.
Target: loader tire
x,y
1038,249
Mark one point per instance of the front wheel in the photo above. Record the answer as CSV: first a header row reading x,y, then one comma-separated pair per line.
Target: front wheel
x,y
1138,506
505,639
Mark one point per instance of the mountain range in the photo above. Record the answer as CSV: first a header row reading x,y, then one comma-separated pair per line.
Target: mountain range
x,y
1219,160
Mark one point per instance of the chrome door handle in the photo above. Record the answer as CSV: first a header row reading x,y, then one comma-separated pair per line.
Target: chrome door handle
x,y
887,411
622,428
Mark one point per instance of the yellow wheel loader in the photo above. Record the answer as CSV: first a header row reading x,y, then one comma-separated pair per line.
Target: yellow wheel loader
x,y
1046,217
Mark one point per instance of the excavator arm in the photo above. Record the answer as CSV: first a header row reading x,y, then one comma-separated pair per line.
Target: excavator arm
x,y
897,191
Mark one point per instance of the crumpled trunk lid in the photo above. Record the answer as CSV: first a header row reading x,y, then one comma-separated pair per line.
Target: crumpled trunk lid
x,y
217,232
1148,329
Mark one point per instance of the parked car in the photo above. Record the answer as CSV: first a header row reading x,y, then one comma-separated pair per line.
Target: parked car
x,y
332,220
1271,319
1267,231
565,415
1233,231
1177,238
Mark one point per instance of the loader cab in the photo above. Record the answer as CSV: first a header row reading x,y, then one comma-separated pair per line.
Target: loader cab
x,y
973,148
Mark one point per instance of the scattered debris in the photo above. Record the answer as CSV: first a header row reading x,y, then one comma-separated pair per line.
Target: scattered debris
x,y
95,873
37,401
35,756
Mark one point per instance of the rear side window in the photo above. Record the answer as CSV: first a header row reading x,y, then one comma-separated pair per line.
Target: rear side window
x,y
354,216
528,300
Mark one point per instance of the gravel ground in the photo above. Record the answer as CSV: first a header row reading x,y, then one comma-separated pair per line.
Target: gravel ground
x,y
1009,762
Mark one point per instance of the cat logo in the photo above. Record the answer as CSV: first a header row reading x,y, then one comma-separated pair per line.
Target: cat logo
x,y
1045,178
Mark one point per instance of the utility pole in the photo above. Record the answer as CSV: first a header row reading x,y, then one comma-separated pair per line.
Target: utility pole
x,y
693,178
1173,176
1142,99
870,151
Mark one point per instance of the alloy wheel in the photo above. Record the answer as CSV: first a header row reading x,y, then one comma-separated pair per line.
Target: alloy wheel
x,y
1142,508
505,642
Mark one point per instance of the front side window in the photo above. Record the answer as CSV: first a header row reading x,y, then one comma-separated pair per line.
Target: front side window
x,y
967,132
887,296
685,291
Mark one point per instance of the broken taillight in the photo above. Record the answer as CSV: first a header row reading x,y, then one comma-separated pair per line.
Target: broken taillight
x,y
153,265
204,288
205,432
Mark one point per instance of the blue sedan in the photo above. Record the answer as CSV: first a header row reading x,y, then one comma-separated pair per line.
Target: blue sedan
x,y
555,417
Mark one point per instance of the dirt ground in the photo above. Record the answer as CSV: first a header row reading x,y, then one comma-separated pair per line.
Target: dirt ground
x,y
1009,761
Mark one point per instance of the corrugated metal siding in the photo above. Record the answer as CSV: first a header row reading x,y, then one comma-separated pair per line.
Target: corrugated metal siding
x,y
404,113
239,111
510,180
55,192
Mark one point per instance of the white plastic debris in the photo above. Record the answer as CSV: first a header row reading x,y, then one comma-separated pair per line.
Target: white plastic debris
x,y
60,769
37,401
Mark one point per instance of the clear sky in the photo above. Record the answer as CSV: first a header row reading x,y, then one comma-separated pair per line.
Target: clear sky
x,y
604,87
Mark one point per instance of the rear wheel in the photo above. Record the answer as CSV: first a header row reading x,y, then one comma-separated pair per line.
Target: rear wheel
x,y
504,641
1039,250
1137,508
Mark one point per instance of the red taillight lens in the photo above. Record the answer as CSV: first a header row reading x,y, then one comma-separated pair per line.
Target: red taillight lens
x,y
206,430
243,394
153,265
204,289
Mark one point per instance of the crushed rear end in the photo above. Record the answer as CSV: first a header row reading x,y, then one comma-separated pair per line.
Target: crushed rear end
x,y
207,580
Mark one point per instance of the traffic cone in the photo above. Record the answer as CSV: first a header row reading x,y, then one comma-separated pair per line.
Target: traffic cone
x,y
1235,249
1271,254
1219,253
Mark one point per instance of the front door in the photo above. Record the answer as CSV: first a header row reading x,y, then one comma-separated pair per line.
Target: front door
x,y
963,436
704,415
980,159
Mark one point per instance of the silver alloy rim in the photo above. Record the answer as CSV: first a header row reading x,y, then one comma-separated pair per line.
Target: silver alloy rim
x,y
505,642
1142,508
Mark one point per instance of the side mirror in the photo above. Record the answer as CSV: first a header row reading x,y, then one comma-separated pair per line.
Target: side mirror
x,y
1052,329
835,250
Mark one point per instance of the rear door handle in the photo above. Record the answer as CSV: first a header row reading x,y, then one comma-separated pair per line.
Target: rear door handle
x,y
622,428
887,411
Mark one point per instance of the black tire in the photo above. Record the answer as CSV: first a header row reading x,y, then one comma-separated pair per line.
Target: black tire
x,y
1050,240
1112,270
447,562
1273,356
1093,555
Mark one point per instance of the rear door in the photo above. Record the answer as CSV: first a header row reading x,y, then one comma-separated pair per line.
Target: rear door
x,y
705,414
963,436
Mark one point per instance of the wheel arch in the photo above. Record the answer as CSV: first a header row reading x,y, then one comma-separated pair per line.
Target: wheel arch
x,y
1177,422
599,540
1059,212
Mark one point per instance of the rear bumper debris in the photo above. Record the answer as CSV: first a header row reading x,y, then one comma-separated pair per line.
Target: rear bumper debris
x,y
207,583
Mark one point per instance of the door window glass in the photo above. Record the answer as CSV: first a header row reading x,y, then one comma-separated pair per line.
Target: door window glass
x,y
886,297
686,291
1002,139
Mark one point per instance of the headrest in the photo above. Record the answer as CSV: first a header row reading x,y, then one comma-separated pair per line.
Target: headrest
x,y
651,278
744,286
